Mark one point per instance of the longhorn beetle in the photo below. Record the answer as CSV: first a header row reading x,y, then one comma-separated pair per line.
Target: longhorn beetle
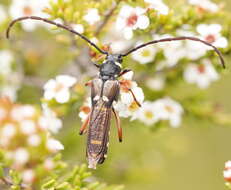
x,y
105,90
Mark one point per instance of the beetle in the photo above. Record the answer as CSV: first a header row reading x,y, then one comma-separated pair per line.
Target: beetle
x,y
105,90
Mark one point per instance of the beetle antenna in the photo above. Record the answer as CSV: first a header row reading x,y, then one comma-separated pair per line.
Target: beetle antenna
x,y
56,24
177,39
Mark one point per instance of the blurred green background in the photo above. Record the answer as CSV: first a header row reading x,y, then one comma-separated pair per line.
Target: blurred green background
x,y
191,157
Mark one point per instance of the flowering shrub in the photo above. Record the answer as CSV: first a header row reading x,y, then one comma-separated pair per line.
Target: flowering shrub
x,y
27,131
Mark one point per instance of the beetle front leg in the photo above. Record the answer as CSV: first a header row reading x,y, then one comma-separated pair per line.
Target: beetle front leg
x,y
84,125
134,97
120,134
124,72
89,83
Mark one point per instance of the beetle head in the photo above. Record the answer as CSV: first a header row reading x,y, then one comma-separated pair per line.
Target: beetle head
x,y
111,67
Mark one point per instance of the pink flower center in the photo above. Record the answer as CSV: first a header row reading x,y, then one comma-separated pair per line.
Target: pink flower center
x,y
201,68
210,38
132,19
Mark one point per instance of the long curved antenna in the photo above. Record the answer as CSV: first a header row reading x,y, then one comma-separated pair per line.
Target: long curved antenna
x,y
177,39
56,24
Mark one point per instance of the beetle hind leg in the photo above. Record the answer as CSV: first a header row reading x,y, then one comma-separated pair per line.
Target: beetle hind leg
x,y
84,125
120,134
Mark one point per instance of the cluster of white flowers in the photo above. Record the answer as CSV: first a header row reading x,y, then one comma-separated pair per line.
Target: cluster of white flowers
x,y
28,8
127,106
227,171
24,137
204,5
161,110
59,88
10,79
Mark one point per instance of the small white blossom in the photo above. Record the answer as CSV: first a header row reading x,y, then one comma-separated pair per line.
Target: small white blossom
x,y
54,145
49,164
19,8
6,58
212,33
21,156
49,120
58,88
28,176
228,164
148,113
78,28
92,16
3,14
156,83
19,113
201,74
130,19
34,140
204,5
8,130
144,55
28,127
169,110
158,5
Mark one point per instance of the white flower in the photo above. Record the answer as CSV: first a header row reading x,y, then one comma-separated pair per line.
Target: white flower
x,y
169,109
49,120
158,5
19,113
28,176
148,113
34,140
8,130
92,16
212,33
144,55
173,51
3,15
6,59
201,74
28,127
59,88
227,175
130,19
78,28
21,156
21,8
156,83
204,5
54,145
228,165
49,164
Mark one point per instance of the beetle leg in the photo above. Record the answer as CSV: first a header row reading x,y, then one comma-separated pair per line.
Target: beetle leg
x,y
134,97
89,83
124,72
118,125
84,125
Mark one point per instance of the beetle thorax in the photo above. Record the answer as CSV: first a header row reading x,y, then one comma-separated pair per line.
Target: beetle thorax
x,y
111,67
